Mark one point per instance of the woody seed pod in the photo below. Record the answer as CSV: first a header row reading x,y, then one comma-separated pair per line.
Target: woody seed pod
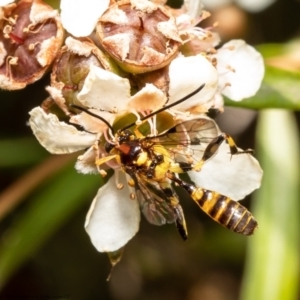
x,y
140,35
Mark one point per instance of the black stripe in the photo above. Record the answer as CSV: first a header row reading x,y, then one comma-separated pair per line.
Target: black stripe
x,y
181,230
215,209
187,186
249,229
206,195
185,166
234,211
242,223
168,192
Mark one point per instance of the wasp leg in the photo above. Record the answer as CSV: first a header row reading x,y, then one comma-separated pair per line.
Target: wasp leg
x,y
169,192
102,160
99,161
213,147
155,160
220,208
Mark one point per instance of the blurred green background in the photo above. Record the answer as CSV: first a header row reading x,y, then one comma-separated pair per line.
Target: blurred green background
x,y
45,252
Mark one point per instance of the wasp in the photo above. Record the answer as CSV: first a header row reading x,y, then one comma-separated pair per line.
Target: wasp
x,y
154,162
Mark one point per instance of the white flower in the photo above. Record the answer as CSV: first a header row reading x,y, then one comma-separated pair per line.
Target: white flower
x,y
103,90
239,65
80,17
114,216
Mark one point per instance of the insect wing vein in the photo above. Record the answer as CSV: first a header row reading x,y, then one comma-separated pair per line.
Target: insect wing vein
x,y
187,141
156,210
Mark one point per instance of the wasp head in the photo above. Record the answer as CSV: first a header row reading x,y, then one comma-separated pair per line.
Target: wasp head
x,y
124,136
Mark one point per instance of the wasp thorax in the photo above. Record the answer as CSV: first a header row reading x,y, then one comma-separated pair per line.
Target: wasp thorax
x,y
30,36
140,35
130,149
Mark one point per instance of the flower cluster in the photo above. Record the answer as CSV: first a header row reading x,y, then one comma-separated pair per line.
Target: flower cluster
x,y
125,59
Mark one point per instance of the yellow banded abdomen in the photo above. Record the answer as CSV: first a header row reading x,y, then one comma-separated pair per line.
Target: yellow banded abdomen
x,y
225,211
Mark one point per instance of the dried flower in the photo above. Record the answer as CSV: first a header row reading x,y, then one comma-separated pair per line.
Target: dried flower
x,y
140,35
31,36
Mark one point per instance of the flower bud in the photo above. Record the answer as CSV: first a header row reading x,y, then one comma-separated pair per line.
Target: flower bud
x,y
71,67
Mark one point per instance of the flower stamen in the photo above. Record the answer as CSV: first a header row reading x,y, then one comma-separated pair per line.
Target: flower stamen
x,y
10,61
32,46
38,29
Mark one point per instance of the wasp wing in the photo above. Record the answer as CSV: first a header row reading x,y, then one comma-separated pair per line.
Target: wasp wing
x,y
187,141
155,208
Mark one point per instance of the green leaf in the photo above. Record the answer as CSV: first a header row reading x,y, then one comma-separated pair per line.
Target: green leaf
x,y
272,269
11,156
280,89
271,50
46,213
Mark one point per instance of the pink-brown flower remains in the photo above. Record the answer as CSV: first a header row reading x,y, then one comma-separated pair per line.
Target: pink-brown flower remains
x,y
30,37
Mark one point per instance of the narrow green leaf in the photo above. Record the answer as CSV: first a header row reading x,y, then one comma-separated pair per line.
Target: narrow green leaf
x,y
11,156
272,269
46,213
271,50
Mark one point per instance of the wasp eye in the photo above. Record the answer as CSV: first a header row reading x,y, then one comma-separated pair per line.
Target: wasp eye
x,y
125,136
108,147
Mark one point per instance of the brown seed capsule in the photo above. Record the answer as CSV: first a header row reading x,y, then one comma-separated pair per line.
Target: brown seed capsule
x,y
30,36
70,69
140,35
160,78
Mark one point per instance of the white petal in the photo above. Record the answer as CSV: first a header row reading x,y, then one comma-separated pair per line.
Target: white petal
x,y
234,177
80,17
115,15
91,123
5,2
120,43
194,8
242,67
148,98
86,162
58,137
104,90
113,218
41,12
169,29
186,75
144,6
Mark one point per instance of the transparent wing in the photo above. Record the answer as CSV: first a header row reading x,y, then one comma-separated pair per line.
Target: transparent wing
x,y
156,209
187,141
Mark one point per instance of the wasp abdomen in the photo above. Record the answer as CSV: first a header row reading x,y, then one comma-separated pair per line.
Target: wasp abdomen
x,y
225,211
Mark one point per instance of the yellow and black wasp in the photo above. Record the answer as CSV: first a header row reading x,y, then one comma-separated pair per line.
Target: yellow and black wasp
x,y
153,163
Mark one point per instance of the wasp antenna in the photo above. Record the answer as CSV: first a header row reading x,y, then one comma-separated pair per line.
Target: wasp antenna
x,y
94,115
168,106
